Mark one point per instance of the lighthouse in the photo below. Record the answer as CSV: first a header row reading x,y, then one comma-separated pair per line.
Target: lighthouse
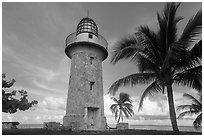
x,y
87,49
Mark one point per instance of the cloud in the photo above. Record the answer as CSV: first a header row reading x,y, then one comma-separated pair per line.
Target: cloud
x,y
49,118
34,117
7,117
47,110
43,85
153,107
155,111
149,117
35,76
53,103
31,68
150,108
53,109
43,73
107,103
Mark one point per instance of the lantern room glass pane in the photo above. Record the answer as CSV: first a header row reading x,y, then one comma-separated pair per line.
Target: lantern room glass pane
x,y
87,25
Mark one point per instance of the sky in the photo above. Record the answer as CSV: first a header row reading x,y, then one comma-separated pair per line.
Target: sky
x,y
33,43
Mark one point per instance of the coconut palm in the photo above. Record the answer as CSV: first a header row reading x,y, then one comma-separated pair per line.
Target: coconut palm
x,y
194,108
163,59
122,105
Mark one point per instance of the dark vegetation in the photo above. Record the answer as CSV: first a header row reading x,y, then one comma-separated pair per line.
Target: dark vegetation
x,y
10,103
162,57
194,108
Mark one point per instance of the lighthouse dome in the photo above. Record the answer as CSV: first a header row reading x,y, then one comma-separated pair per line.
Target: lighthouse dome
x,y
87,25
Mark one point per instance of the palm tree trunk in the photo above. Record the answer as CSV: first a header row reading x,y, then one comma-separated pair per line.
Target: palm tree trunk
x,y
172,109
119,117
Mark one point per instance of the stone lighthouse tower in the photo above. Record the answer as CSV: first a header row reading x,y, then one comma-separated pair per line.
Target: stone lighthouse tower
x,y
85,105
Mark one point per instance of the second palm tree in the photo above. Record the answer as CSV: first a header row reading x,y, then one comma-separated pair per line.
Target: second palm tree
x,y
122,105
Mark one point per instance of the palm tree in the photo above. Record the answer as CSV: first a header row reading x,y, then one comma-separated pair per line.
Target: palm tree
x,y
194,108
123,105
162,58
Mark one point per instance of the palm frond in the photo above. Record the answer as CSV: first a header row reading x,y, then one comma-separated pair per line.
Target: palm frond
x,y
192,107
171,21
150,90
192,30
182,107
153,45
162,35
167,26
190,78
189,58
196,51
113,108
179,18
125,48
129,105
131,80
187,62
176,53
115,100
125,112
197,107
198,121
124,97
145,64
129,109
193,99
187,113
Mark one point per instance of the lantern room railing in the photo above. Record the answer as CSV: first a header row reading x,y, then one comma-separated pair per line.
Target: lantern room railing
x,y
72,38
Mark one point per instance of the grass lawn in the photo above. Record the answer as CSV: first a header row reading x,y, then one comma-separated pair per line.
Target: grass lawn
x,y
39,131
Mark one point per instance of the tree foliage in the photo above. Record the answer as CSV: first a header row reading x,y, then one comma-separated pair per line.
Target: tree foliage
x,y
194,108
122,106
163,58
10,103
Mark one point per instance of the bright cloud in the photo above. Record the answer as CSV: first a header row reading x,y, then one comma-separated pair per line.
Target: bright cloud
x,y
53,103
157,110
107,103
149,107
50,109
153,108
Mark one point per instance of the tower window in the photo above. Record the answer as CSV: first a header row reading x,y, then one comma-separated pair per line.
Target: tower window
x,y
90,36
91,85
91,60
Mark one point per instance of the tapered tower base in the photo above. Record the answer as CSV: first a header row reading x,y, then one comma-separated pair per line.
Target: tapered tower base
x,y
74,122
79,122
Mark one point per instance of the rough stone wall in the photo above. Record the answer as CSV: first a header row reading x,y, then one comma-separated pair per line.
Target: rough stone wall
x,y
73,122
83,71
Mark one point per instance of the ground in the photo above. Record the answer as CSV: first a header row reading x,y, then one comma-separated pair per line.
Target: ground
x,y
107,132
